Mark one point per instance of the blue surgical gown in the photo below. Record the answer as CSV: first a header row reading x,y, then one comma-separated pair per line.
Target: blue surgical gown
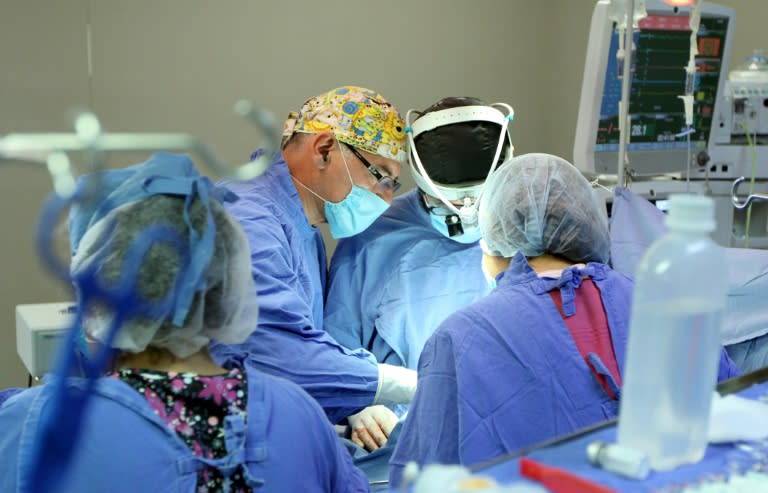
x,y
286,443
392,285
504,373
288,264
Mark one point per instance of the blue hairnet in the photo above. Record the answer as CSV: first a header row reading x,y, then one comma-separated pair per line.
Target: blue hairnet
x,y
116,187
539,203
208,278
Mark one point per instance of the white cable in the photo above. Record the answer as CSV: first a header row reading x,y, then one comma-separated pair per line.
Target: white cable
x,y
624,104
688,168
690,76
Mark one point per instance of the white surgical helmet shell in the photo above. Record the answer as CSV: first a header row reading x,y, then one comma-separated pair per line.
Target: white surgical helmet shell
x,y
225,310
539,203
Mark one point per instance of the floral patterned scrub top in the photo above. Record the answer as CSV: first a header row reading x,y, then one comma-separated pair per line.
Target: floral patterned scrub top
x,y
194,406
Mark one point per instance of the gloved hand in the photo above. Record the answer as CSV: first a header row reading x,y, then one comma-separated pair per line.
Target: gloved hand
x,y
397,385
371,427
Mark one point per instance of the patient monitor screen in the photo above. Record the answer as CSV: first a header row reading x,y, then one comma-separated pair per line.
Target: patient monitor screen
x,y
657,115
658,134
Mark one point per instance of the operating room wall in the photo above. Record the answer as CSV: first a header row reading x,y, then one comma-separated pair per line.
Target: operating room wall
x,y
179,65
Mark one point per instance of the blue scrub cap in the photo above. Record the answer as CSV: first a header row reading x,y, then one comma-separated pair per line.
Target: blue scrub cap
x,y
162,174
539,203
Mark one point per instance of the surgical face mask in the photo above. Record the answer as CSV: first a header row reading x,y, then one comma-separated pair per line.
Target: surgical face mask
x,y
355,212
471,234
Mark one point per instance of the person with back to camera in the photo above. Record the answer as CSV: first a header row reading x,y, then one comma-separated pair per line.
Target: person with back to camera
x,y
340,160
167,418
392,285
542,355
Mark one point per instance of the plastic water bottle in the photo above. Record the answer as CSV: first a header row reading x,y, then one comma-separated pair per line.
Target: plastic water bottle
x,y
674,338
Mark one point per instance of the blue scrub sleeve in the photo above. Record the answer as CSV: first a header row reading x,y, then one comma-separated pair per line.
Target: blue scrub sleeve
x,y
431,429
285,342
330,466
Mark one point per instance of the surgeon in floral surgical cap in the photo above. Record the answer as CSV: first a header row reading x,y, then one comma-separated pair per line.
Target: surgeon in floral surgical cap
x,y
339,164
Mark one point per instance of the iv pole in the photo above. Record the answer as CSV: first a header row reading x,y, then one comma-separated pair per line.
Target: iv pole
x,y
625,81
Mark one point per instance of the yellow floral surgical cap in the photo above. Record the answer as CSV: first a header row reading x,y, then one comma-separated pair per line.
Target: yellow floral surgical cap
x,y
357,116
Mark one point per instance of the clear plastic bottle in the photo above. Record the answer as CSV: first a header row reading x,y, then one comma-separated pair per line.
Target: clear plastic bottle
x,y
674,338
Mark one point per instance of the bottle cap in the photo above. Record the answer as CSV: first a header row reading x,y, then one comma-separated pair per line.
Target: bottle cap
x,y
593,451
620,460
688,212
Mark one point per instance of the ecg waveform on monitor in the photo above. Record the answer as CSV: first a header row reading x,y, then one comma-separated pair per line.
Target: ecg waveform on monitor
x,y
662,37
658,78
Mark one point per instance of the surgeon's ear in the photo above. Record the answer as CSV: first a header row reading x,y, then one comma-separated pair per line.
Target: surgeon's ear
x,y
321,146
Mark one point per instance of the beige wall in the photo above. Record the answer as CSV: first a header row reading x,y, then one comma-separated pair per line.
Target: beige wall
x,y
43,74
179,65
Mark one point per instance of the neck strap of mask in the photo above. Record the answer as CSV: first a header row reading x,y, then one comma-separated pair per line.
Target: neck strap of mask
x,y
498,113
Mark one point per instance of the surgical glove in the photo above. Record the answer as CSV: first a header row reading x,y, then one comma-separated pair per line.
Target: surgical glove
x,y
371,427
397,385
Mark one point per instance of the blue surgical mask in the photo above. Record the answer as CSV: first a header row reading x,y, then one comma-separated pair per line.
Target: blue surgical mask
x,y
471,233
355,212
